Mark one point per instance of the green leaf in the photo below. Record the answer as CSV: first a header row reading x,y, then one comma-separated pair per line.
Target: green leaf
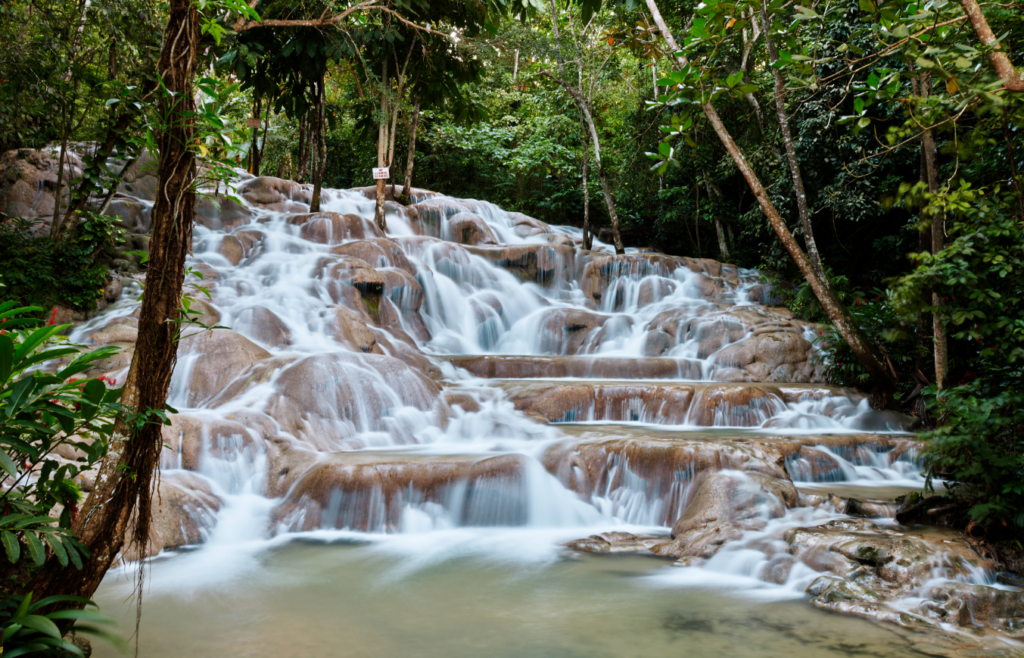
x,y
35,549
867,6
38,623
864,122
665,149
11,545
858,105
58,549
6,358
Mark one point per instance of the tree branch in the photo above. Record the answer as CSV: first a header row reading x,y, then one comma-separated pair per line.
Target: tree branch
x,y
1012,78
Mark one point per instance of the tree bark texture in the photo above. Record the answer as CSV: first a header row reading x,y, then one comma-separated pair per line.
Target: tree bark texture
x,y
883,380
940,341
588,126
120,502
254,148
303,160
414,123
382,145
318,144
588,238
794,164
1012,79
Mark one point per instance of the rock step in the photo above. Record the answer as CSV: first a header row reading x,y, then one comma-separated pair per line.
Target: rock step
x,y
700,404
494,366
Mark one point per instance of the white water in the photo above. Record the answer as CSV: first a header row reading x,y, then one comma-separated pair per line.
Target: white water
x,y
317,392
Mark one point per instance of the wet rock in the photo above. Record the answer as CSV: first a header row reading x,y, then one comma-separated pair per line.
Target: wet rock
x,y
467,228
727,504
371,491
221,355
184,510
666,404
190,439
221,214
736,405
618,542
542,264
28,180
251,240
263,326
275,193
525,226
352,329
377,252
140,180
546,367
133,214
332,228
568,330
644,475
328,399
345,274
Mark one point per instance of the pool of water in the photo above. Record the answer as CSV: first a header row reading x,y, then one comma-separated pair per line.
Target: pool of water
x,y
497,594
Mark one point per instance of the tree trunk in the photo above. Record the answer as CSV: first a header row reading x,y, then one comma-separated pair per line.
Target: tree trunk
x,y
588,238
794,165
883,380
318,145
584,107
407,184
382,145
723,244
254,149
303,160
938,238
103,151
123,486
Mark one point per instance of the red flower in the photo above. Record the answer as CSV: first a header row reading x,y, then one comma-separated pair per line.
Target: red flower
x,y
53,317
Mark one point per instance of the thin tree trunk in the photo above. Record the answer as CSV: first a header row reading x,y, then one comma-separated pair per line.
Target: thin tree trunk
x,y
407,184
884,381
588,238
303,159
266,129
318,145
81,195
937,243
254,149
382,144
581,103
123,487
1012,157
924,244
723,244
794,165
55,223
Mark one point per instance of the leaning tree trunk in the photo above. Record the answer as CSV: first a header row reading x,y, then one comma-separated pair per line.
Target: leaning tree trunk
x,y
883,380
318,145
407,183
123,487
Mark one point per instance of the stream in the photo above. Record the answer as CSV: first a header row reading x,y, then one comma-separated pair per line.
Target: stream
x,y
391,446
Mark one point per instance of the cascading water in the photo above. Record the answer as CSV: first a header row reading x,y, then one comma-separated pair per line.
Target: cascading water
x,y
491,398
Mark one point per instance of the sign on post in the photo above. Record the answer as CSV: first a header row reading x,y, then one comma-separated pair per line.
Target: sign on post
x,y
254,122
381,172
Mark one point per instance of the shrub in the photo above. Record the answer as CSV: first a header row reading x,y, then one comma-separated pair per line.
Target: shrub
x,y
39,271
